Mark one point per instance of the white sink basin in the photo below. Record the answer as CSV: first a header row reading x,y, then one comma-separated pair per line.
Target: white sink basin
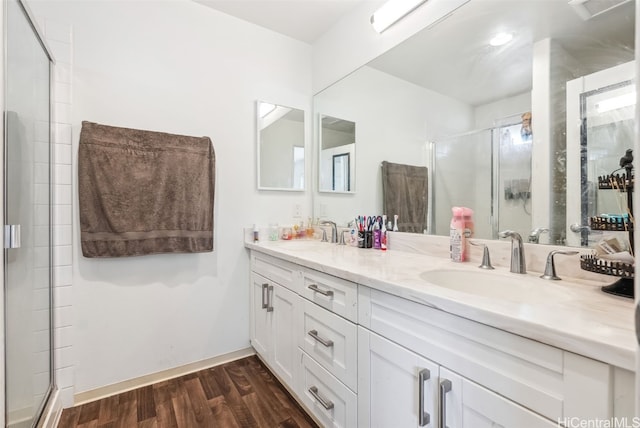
x,y
510,286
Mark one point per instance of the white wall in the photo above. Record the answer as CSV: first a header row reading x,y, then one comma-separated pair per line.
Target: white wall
x,y
394,120
133,68
488,114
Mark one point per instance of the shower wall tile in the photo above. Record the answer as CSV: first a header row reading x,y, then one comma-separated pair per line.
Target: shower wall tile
x,y
41,172
62,174
61,215
59,37
62,276
62,113
62,131
62,154
62,235
62,194
62,255
63,336
63,316
63,296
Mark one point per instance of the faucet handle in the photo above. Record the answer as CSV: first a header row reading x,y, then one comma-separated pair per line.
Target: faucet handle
x,y
550,267
341,242
486,260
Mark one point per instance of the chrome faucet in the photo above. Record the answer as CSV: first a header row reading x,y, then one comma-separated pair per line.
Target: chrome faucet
x,y
334,230
534,236
550,267
518,264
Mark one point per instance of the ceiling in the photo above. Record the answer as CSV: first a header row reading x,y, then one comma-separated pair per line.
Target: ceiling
x,y
454,57
304,20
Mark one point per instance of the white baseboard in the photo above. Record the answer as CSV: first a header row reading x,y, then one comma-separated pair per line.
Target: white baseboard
x,y
128,385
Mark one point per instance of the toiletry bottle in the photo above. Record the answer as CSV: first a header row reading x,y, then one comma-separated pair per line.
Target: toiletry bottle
x,y
395,222
456,235
256,237
383,234
467,214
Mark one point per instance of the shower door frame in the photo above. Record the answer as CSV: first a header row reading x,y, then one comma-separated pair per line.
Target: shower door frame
x,y
40,413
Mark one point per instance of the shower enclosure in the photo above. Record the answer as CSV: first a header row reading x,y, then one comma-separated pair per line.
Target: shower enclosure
x,y
27,220
487,170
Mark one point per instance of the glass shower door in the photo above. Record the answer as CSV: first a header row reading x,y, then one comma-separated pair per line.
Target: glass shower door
x,y
27,254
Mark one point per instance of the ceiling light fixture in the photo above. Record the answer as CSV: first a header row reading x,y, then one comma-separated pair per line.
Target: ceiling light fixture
x,y
392,12
501,39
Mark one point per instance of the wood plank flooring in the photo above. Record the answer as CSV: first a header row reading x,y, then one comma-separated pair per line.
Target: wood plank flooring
x,y
239,394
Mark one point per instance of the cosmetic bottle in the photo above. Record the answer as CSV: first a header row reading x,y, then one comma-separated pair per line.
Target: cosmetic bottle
x,y
383,234
256,237
467,214
457,240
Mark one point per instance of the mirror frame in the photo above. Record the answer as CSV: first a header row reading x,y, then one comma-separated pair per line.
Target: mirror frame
x,y
258,151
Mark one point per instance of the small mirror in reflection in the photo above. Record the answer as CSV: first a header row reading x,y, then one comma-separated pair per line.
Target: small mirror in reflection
x,y
337,155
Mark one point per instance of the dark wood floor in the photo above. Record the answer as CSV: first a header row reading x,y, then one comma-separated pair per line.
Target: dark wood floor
x,y
241,393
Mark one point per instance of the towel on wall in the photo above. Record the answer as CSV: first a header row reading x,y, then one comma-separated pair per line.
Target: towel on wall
x,y
404,192
144,192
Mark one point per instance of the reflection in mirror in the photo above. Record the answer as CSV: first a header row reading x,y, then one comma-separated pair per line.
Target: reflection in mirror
x,y
426,90
337,155
495,180
600,124
281,147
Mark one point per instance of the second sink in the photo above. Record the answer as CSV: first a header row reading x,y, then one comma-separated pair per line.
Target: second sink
x,y
494,285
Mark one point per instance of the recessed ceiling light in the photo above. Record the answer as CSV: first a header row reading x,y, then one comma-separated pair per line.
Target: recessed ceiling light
x,y
501,39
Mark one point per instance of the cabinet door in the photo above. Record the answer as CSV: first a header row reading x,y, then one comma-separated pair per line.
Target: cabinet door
x,y
396,388
260,317
467,404
283,339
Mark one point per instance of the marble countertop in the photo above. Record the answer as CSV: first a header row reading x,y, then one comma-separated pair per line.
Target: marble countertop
x,y
571,314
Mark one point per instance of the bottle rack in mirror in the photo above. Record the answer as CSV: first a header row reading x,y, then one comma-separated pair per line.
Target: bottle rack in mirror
x,y
623,223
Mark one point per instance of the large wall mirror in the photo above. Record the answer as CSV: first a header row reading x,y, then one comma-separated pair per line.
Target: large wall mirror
x,y
486,115
281,147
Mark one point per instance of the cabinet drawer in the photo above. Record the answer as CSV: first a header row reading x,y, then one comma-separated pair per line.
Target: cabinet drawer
x,y
335,294
545,379
276,270
331,402
331,341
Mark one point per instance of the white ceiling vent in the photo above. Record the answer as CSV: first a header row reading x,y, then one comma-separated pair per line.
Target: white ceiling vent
x,y
587,9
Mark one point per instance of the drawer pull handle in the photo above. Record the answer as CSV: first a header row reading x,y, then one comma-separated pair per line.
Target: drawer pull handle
x,y
424,417
326,342
264,291
270,299
325,403
445,386
314,287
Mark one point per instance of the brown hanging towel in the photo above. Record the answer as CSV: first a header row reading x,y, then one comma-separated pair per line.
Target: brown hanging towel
x,y
144,192
404,192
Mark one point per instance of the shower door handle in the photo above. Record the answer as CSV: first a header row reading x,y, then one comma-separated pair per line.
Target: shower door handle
x,y
11,236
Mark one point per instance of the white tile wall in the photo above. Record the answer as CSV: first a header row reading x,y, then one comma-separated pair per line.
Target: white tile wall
x,y
59,38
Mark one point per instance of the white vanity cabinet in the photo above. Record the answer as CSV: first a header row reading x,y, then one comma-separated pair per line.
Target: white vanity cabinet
x,y
274,311
485,376
355,356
